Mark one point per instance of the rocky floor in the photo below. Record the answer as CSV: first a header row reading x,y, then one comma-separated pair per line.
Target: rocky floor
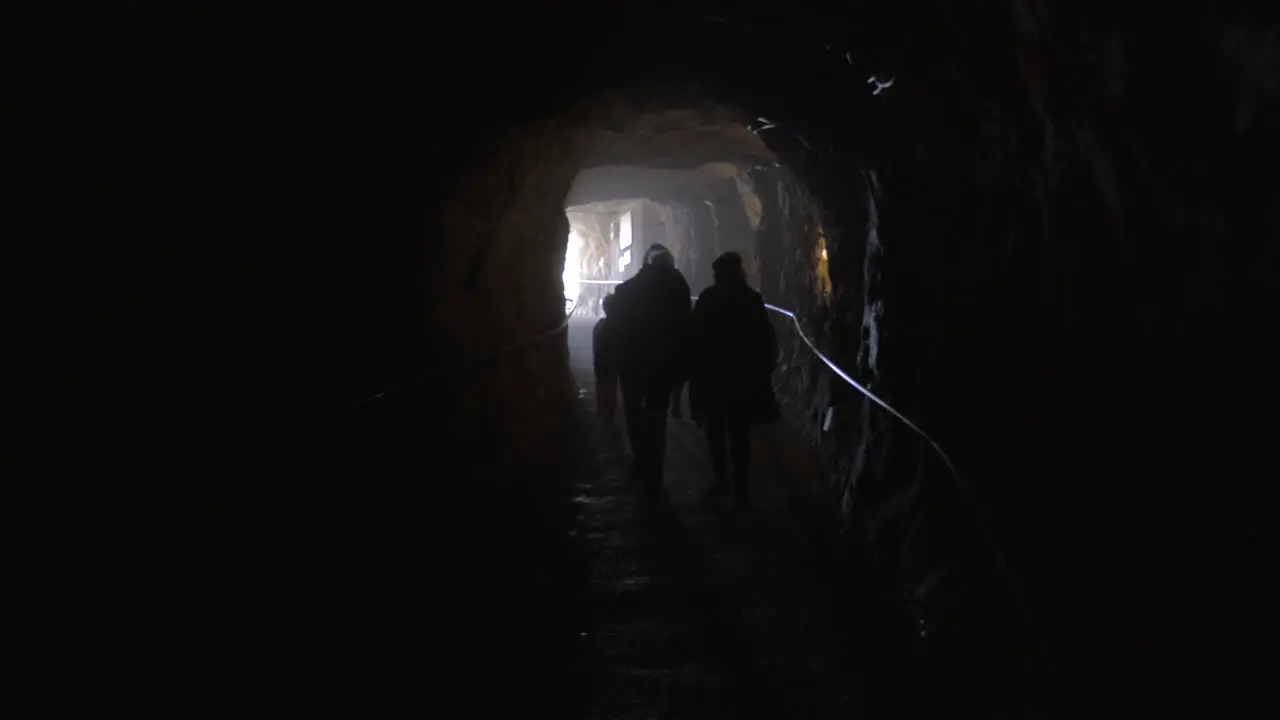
x,y
695,610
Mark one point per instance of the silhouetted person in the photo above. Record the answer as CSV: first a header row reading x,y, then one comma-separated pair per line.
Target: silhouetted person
x,y
605,361
734,351
651,312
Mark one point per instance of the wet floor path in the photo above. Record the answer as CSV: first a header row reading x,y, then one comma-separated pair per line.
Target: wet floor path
x,y
694,610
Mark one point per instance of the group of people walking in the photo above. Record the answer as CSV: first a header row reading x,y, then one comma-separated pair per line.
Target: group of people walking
x,y
652,343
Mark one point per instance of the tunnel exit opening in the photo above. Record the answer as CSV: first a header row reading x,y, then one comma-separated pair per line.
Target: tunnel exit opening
x,y
699,189
573,265
572,200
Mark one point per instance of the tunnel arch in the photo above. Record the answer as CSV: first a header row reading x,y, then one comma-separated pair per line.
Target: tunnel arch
x,y
670,62
510,206
703,66
601,129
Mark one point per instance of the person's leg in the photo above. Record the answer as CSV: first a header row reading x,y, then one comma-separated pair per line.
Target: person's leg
x,y
601,401
607,395
657,401
636,422
739,433
716,442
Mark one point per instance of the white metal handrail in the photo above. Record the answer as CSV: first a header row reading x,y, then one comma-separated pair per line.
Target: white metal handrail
x,y
870,395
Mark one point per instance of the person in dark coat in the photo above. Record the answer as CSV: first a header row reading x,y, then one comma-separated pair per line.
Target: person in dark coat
x,y
734,352
651,312
605,363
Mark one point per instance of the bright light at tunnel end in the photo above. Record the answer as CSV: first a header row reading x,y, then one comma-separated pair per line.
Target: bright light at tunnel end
x,y
572,266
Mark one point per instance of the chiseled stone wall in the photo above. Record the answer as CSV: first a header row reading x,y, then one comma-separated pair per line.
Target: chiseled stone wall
x,y
1051,241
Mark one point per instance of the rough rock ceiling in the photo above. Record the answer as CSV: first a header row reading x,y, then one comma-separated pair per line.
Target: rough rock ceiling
x,y
698,153
603,208
712,181
673,138
682,149
617,188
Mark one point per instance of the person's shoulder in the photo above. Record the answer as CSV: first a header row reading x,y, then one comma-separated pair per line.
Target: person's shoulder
x,y
755,296
675,284
670,278
625,288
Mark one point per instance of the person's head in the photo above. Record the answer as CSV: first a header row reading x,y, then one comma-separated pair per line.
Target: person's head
x,y
728,268
604,304
659,256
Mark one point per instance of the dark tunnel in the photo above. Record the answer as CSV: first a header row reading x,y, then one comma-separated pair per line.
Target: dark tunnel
x,y
298,422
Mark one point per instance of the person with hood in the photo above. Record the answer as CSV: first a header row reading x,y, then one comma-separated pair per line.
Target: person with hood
x,y
734,352
650,321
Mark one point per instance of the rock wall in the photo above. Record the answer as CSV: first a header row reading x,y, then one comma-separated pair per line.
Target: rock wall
x,y
680,239
1044,261
785,247
734,230
502,249
1019,264
704,230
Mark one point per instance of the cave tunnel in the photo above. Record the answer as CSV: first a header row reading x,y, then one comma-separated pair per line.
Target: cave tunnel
x,y
302,424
